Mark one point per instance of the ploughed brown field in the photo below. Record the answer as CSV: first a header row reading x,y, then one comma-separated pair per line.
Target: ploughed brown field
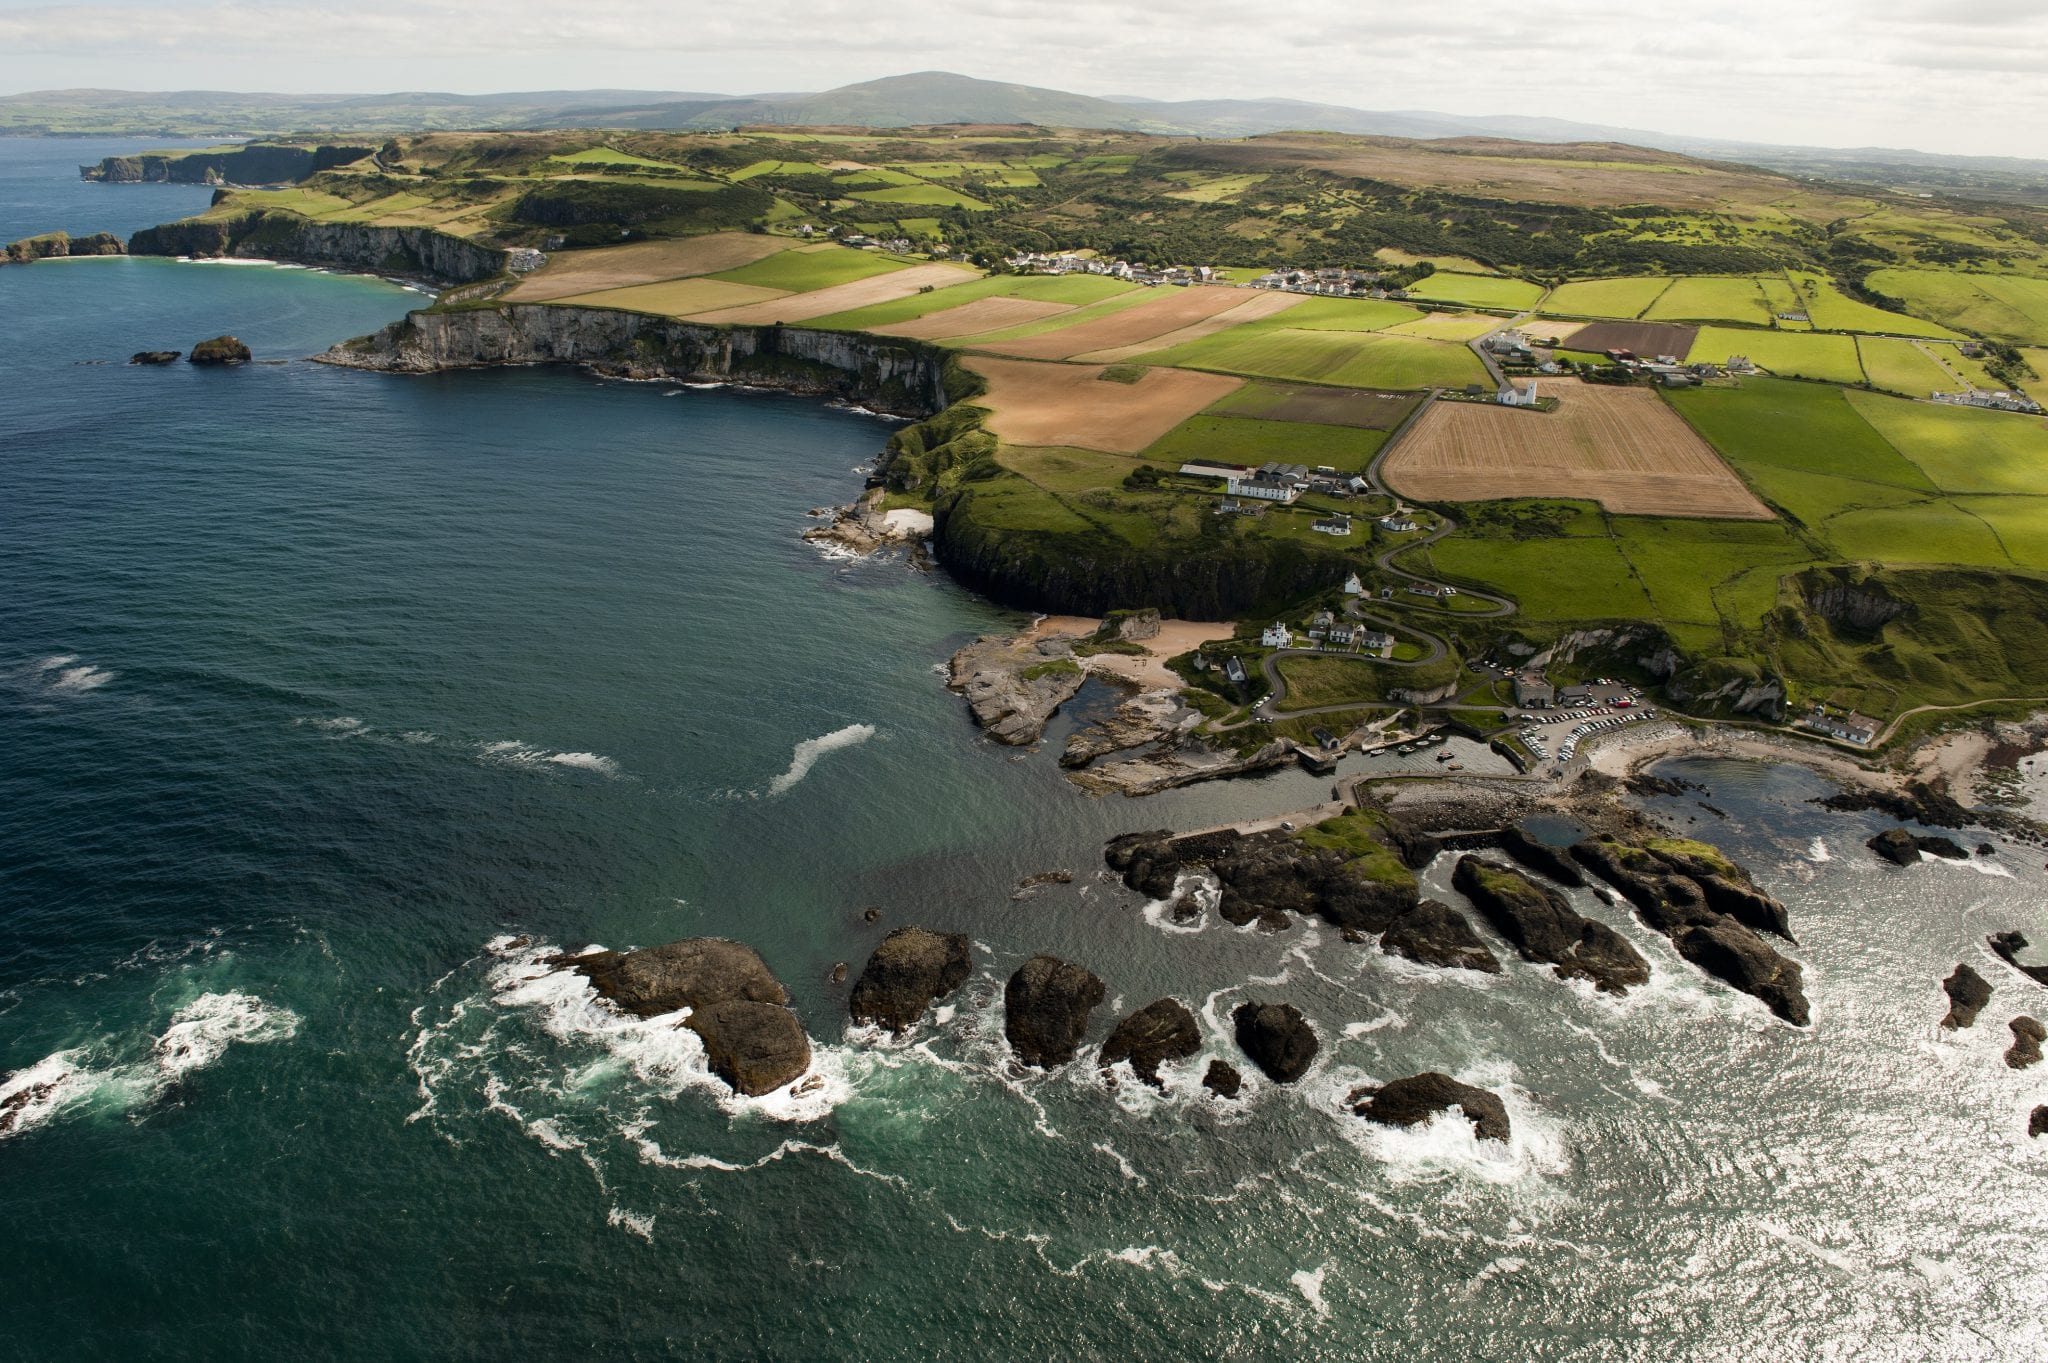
x,y
1253,308
1647,339
969,319
1621,447
1173,309
1036,403
569,273
861,293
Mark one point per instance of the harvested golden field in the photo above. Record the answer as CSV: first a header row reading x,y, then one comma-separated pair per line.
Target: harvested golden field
x,y
1138,326
1258,306
1621,447
1032,403
1550,328
676,297
569,273
860,293
970,319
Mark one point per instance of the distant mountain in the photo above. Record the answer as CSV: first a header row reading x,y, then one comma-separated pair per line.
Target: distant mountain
x,y
940,97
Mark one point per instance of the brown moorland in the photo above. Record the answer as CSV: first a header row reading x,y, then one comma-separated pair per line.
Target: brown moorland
x,y
1034,403
1621,447
569,273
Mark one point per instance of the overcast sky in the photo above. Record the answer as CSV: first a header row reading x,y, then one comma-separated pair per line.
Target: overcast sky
x,y
1939,75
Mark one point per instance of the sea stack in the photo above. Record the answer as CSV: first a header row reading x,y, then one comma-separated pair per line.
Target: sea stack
x,y
909,971
221,350
1045,1009
752,1039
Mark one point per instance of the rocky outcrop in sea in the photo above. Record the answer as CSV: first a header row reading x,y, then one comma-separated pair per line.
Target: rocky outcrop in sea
x,y
1267,878
907,973
1433,933
2027,1036
1045,1009
1014,685
737,1006
1276,1038
1161,1031
1967,994
1416,1099
1544,928
221,350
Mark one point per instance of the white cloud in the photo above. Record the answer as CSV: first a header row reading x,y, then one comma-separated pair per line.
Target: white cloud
x,y
1925,73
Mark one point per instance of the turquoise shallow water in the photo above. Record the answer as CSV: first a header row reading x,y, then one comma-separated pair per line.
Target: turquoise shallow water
x,y
318,690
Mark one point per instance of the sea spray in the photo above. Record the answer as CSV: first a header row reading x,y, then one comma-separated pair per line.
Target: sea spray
x,y
810,750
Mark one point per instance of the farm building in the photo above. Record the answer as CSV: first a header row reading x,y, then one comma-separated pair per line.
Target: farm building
x,y
1518,395
1263,488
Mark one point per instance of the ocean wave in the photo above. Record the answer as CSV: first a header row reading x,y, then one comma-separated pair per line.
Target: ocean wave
x,y
512,752
198,1034
808,752
57,676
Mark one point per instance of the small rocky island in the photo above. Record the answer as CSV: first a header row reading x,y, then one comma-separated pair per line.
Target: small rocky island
x,y
221,351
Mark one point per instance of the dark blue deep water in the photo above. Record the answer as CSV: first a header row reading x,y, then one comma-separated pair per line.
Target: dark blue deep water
x,y
329,702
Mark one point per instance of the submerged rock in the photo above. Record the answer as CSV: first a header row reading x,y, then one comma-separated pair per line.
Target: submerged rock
x,y
1967,994
1434,933
2027,1036
1414,1100
737,1006
155,356
1160,1031
1045,1009
1222,1079
908,971
1543,927
221,350
1277,1038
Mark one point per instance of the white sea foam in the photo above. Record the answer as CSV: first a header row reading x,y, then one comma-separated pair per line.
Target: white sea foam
x,y
586,761
1817,851
810,750
1309,1282
518,753
60,674
201,1032
1204,889
633,1223
198,1035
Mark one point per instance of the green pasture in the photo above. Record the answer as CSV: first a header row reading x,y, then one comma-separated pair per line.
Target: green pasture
x,y
1345,359
1624,298
1900,366
1711,298
610,156
1833,310
1248,440
1478,291
1568,578
1962,449
801,271
1077,290
1787,354
932,196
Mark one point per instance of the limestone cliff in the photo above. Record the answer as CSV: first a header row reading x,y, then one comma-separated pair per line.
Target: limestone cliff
x,y
416,252
255,164
896,376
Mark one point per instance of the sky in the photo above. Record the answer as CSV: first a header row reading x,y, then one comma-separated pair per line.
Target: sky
x,y
1934,75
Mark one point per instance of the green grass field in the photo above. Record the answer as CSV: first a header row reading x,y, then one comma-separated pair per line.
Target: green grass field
x,y
1900,366
607,156
1078,290
1349,360
1247,440
1962,450
923,195
1581,577
1624,298
1116,303
1788,354
1447,326
1478,291
2021,524
1341,314
1930,532
1832,310
801,271
760,168
1719,573
1337,681
1715,298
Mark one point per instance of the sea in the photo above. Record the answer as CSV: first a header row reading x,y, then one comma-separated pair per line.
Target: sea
x,y
332,703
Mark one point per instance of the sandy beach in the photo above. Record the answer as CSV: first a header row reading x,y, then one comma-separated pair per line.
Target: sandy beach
x,y
1149,671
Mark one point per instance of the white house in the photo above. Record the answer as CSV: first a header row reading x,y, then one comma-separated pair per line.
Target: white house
x,y
1332,525
1375,641
1353,587
1276,636
1514,395
1263,488
1397,524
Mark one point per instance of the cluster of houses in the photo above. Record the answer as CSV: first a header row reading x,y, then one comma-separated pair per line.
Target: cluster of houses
x,y
1994,401
1334,283
860,241
1849,728
1672,372
1069,262
1274,482
1329,632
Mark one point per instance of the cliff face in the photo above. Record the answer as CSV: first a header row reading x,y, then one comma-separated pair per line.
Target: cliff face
x,y
419,252
52,245
1078,575
889,375
255,164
